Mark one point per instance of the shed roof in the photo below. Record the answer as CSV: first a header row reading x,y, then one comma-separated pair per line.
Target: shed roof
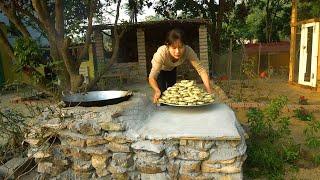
x,y
198,21
308,21
274,47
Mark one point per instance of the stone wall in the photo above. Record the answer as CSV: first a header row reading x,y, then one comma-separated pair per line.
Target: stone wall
x,y
101,143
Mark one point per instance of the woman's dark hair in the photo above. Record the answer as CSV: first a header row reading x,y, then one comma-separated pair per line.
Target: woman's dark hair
x,y
174,35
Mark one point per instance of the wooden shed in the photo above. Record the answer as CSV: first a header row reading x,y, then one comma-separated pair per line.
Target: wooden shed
x,y
272,57
306,68
141,41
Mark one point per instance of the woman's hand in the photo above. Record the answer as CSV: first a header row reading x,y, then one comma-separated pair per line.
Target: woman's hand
x,y
156,96
209,90
206,82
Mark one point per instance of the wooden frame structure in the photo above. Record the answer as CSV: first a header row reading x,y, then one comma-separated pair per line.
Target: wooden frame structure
x,y
293,79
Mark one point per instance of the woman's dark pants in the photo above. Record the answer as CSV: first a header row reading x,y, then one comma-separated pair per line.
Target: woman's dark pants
x,y
167,79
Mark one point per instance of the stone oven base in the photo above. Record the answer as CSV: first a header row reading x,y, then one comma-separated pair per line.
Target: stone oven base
x,y
109,143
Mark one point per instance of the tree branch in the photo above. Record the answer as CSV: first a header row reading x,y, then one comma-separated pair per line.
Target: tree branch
x,y
117,15
42,11
114,54
91,8
31,16
7,46
59,17
12,16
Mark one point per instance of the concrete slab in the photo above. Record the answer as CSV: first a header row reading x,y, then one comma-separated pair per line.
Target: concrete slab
x,y
212,122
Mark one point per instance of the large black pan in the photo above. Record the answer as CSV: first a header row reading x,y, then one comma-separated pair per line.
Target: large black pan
x,y
96,98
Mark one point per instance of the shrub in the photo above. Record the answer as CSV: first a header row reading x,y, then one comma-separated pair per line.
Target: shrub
x,y
303,100
269,148
313,138
303,114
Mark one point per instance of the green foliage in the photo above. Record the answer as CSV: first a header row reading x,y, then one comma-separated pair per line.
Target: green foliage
x,y
29,58
256,120
313,138
76,14
270,147
133,8
263,159
248,68
27,53
265,20
303,114
291,152
308,9
316,159
269,20
312,134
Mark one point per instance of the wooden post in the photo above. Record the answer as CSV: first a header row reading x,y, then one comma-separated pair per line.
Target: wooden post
x,y
318,69
268,58
293,40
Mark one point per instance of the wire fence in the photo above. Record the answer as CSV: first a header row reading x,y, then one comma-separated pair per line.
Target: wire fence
x,y
242,64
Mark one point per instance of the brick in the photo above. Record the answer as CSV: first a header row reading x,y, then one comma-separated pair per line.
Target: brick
x,y
203,44
204,52
142,59
203,35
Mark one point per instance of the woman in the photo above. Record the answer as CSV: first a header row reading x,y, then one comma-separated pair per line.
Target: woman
x,y
163,73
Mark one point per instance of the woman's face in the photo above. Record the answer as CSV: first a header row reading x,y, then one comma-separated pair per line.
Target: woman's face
x,y
177,49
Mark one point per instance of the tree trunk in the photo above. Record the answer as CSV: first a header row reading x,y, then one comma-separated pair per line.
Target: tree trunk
x,y
216,32
293,41
114,56
108,66
61,71
219,25
212,15
72,66
53,24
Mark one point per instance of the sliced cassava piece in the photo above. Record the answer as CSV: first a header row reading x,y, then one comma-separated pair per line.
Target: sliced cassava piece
x,y
186,93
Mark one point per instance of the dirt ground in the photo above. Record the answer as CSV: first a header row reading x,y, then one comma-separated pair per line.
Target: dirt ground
x,y
266,90
263,90
251,91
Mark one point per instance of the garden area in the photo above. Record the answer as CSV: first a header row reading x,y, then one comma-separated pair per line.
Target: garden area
x,y
50,50
283,143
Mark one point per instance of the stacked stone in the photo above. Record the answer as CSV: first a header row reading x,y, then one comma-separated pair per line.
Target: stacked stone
x,y
97,146
94,143
44,144
150,159
89,141
205,159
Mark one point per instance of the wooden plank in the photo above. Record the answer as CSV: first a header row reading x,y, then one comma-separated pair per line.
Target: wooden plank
x,y
308,21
